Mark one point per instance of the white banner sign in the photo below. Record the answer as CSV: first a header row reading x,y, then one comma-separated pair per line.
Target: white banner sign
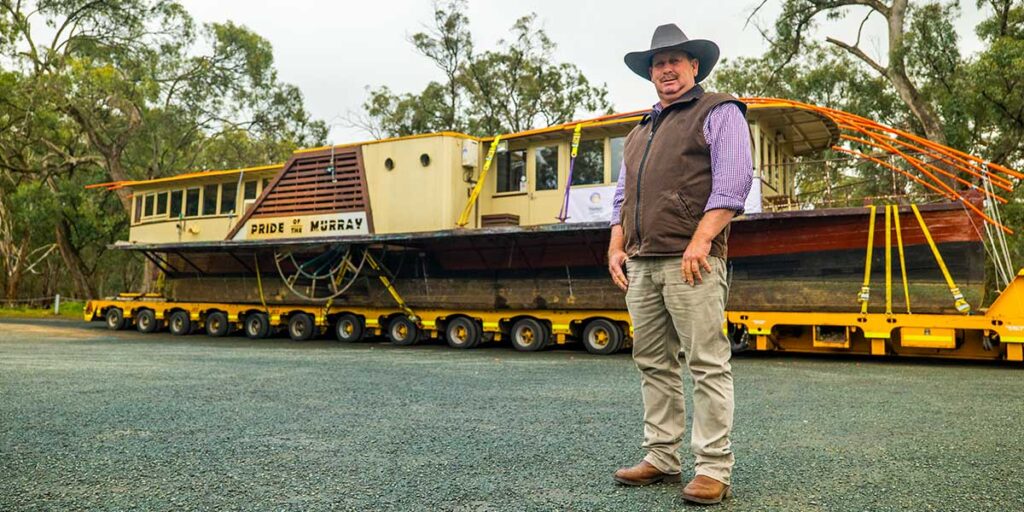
x,y
304,226
591,204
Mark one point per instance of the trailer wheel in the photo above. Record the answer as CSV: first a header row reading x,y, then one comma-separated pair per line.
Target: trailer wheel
x,y
348,328
602,337
115,319
301,327
179,324
217,324
739,338
529,335
402,331
146,322
257,326
462,332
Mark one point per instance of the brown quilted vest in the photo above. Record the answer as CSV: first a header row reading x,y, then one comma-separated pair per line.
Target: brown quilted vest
x,y
668,177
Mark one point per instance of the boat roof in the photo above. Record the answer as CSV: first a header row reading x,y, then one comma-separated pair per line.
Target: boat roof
x,y
114,185
807,131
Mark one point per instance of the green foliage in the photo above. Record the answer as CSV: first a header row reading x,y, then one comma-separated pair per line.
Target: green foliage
x,y
515,87
71,310
821,75
128,89
976,97
406,114
829,77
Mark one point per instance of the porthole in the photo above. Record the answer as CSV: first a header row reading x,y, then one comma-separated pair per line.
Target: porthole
x,y
389,164
424,159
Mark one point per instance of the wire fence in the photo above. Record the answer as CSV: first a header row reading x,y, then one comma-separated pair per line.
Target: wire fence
x,y
47,302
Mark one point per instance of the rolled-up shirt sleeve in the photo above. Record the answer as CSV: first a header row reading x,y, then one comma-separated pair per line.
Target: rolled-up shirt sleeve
x,y
620,195
732,168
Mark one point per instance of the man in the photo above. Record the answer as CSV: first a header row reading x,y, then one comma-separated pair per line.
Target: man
x,y
686,172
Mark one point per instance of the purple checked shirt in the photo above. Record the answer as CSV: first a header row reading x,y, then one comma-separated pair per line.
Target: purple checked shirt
x,y
732,170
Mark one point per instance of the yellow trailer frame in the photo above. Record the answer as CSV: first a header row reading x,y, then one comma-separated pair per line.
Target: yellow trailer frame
x,y
560,325
995,333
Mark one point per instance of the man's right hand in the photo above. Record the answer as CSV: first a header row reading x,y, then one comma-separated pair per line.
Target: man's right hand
x,y
616,262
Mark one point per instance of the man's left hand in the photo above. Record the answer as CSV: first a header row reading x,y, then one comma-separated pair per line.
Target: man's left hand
x,y
695,258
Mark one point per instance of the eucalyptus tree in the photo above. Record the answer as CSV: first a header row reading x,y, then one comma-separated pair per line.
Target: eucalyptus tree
x,y
516,86
117,90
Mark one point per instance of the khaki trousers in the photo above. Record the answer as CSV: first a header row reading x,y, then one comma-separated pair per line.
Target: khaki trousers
x,y
673,323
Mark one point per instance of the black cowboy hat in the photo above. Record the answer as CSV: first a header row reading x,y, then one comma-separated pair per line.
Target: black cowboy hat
x,y
670,37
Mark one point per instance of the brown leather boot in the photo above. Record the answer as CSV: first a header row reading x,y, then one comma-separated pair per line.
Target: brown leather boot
x,y
643,474
705,490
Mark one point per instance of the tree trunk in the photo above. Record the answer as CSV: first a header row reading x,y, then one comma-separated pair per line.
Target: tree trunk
x,y
897,75
14,274
117,173
73,261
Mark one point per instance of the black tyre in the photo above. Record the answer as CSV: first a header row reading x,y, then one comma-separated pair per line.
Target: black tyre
x,y
529,335
217,324
402,331
301,327
146,322
115,319
257,326
462,332
179,324
602,337
739,338
349,328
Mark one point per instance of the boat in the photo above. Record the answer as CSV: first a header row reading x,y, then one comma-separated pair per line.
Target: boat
x,y
457,221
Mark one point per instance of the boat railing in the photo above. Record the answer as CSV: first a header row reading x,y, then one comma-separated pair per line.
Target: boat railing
x,y
801,202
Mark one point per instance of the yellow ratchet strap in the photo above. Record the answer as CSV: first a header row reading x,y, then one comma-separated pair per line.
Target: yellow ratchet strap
x,y
576,140
903,261
958,298
259,284
391,288
888,259
464,218
865,289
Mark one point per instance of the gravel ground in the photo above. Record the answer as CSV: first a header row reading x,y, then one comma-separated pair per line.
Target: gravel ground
x,y
91,419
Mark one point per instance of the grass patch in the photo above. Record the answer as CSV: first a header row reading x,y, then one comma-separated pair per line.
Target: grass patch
x,y
68,309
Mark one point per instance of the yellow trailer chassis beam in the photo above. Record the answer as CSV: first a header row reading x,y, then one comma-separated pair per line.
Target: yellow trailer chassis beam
x,y
994,333
997,333
561,323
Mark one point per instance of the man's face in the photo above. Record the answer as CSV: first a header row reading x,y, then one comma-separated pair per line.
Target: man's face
x,y
673,73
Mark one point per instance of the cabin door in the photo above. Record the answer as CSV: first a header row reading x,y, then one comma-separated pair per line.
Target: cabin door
x,y
547,175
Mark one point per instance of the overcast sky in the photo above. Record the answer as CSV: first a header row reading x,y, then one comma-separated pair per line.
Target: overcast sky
x,y
333,50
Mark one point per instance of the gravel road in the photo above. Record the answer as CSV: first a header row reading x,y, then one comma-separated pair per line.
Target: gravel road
x,y
99,420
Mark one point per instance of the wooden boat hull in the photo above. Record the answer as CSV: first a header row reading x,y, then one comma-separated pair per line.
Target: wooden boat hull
x,y
793,261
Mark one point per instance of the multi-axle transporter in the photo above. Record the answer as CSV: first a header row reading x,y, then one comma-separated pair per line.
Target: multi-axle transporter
x,y
504,238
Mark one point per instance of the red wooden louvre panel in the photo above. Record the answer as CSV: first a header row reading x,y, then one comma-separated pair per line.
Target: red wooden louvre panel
x,y
306,186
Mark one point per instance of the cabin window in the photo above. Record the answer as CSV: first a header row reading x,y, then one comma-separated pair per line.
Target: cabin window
x,y
546,163
176,204
210,200
249,190
512,171
161,204
616,146
228,198
266,183
192,202
138,208
589,166
148,209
